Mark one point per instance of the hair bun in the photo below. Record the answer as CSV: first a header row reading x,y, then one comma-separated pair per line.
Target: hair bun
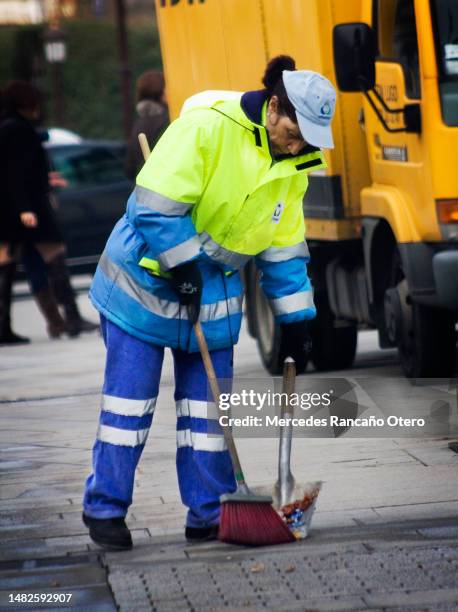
x,y
275,69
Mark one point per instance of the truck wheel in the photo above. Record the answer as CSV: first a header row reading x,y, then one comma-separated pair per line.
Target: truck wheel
x,y
334,346
268,335
425,337
428,351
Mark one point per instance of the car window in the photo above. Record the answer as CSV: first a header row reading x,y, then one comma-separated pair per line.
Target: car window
x,y
397,40
88,166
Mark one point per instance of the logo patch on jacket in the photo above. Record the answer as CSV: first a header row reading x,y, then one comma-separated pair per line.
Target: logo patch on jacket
x,y
278,212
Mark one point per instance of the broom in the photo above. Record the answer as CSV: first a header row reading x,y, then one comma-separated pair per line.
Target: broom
x,y
246,518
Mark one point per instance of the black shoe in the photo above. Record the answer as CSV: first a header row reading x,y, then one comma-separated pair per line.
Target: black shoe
x,y
88,326
112,533
11,338
201,534
77,325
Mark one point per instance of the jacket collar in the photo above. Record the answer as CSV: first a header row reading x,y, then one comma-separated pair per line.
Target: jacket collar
x,y
248,113
252,103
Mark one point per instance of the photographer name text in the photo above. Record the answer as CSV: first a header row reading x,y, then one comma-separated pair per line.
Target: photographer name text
x,y
332,421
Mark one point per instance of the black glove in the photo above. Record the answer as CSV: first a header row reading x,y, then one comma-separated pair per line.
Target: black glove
x,y
296,342
187,282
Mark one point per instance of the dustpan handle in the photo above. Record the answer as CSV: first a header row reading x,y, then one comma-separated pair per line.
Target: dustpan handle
x,y
289,383
287,410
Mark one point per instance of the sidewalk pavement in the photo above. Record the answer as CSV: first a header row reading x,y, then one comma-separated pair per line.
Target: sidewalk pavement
x,y
384,536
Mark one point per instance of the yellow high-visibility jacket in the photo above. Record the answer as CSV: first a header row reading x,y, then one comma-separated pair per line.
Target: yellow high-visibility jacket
x,y
210,191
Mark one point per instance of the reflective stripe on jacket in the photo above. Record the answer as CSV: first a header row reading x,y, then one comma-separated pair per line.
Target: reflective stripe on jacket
x,y
211,191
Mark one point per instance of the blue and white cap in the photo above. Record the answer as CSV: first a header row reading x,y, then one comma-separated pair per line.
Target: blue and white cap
x,y
314,99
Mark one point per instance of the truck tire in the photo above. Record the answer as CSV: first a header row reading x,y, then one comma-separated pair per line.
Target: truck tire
x,y
427,337
333,346
429,351
268,334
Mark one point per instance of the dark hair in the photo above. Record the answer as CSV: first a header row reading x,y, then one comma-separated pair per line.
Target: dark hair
x,y
20,95
150,86
273,82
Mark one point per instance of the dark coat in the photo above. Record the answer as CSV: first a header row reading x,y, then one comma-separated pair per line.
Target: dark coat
x,y
24,185
152,121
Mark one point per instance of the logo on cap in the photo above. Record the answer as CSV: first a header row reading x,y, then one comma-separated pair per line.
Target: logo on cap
x,y
326,109
314,99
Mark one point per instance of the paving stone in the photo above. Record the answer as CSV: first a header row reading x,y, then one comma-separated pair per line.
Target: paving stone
x,y
17,504
65,476
416,598
40,579
440,532
424,608
338,578
29,549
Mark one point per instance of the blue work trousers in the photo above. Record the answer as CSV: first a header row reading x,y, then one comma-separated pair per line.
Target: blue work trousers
x,y
132,376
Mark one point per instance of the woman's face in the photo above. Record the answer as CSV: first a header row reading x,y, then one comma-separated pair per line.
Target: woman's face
x,y
285,136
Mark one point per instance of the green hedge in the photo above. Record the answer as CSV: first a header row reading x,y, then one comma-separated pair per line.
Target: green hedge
x,y
91,74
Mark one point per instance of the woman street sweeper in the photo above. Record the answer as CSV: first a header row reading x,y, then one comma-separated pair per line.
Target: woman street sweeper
x,y
224,184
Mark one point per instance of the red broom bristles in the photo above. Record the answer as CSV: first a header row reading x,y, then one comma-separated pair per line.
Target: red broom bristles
x,y
253,524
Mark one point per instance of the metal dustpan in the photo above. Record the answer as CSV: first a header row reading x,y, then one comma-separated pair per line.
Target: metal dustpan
x,y
289,495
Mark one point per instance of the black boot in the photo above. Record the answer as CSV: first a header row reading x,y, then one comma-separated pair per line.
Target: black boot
x,y
47,303
201,534
7,336
60,281
112,533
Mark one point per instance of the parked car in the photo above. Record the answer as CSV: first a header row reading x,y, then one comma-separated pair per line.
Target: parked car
x,y
93,200
61,136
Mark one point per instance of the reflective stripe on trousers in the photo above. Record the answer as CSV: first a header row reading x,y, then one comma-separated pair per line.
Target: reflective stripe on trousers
x,y
128,402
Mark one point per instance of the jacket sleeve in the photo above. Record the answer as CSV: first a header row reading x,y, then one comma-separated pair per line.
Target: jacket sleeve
x,y
283,265
169,184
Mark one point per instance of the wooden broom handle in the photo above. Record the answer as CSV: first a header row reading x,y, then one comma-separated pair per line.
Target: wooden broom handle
x,y
144,146
208,364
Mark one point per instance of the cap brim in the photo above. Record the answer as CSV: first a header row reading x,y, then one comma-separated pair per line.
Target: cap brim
x,y
316,135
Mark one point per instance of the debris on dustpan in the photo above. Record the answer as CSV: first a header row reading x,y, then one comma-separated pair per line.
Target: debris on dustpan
x,y
298,513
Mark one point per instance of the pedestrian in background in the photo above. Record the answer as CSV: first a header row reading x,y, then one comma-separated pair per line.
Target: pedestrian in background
x,y
28,222
153,118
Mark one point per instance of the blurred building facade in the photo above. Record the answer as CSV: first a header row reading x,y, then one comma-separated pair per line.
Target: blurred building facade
x,y
39,11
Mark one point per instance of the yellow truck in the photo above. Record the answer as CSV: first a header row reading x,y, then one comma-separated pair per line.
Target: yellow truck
x,y
382,221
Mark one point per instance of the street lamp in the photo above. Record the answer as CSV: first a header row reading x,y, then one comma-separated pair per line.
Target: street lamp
x,y
55,43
